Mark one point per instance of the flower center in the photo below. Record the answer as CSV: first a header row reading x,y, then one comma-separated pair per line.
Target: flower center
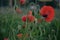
x,y
45,15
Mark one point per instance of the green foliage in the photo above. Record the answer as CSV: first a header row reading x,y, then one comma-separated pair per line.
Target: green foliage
x,y
11,25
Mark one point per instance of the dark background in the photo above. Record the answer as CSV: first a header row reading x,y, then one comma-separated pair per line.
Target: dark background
x,y
52,3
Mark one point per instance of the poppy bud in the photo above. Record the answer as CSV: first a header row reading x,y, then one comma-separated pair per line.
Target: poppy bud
x,y
22,1
24,18
19,35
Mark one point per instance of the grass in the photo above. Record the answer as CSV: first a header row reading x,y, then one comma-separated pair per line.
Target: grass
x,y
11,25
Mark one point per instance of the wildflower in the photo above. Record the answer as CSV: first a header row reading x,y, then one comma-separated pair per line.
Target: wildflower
x,y
22,1
33,7
18,10
5,38
47,12
30,18
35,20
30,12
19,27
19,35
24,18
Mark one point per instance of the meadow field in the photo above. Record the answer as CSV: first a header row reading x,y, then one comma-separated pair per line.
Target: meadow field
x,y
13,28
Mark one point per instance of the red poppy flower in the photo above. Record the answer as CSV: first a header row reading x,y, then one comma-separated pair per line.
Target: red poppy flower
x,y
29,17
24,18
22,1
18,10
30,12
19,35
5,38
47,12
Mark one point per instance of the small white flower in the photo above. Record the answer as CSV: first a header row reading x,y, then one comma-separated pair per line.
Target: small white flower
x,y
35,20
53,30
33,7
19,27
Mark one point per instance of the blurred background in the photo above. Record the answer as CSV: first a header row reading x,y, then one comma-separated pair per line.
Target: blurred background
x,y
54,3
4,4
10,18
